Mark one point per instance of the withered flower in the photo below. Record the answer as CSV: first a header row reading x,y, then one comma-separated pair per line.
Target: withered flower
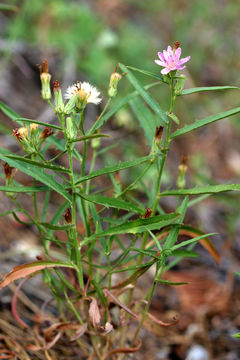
x,y
46,133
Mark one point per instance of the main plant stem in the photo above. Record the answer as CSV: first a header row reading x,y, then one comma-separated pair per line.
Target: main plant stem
x,y
158,188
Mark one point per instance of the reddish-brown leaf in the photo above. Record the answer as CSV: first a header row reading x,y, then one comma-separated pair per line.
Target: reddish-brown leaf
x,y
21,271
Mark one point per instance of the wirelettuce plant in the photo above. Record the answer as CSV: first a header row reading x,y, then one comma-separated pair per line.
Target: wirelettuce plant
x,y
106,262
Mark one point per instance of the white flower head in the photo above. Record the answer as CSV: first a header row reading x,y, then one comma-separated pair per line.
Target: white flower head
x,y
87,93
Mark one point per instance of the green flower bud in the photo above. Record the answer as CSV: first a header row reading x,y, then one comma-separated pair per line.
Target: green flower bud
x,y
113,84
34,138
70,105
179,85
59,104
45,80
71,128
95,143
182,169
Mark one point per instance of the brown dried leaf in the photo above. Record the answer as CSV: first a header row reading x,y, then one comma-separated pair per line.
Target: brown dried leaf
x,y
116,301
94,314
22,271
81,330
124,350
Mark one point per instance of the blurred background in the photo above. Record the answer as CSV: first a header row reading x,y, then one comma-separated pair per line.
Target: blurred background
x,y
84,40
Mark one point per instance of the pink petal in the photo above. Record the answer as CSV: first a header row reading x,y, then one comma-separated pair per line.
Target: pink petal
x,y
169,50
184,60
161,63
181,67
161,56
178,53
165,53
165,71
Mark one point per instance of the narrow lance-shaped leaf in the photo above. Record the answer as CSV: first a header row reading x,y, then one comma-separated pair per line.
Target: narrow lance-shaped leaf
x,y
136,226
208,189
23,189
21,271
36,172
144,94
173,235
40,164
207,88
146,118
118,167
112,202
208,120
148,73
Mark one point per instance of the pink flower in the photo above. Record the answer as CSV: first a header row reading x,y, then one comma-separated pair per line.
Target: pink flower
x,y
170,60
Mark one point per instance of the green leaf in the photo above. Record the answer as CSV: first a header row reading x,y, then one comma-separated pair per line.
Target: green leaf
x,y
207,88
117,107
144,94
24,120
57,227
208,189
208,120
184,253
8,7
148,73
40,164
118,167
23,189
168,282
173,235
237,273
112,202
8,111
136,226
187,242
237,335
145,117
174,117
8,212
35,172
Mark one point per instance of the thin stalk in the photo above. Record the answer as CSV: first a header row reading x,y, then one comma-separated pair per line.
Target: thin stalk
x,y
100,117
149,299
75,248
162,163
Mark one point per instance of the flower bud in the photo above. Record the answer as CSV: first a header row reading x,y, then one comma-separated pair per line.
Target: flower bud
x,y
182,169
157,139
8,173
113,84
96,143
33,127
59,104
179,85
23,132
22,136
68,216
45,80
176,45
70,105
148,213
71,128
